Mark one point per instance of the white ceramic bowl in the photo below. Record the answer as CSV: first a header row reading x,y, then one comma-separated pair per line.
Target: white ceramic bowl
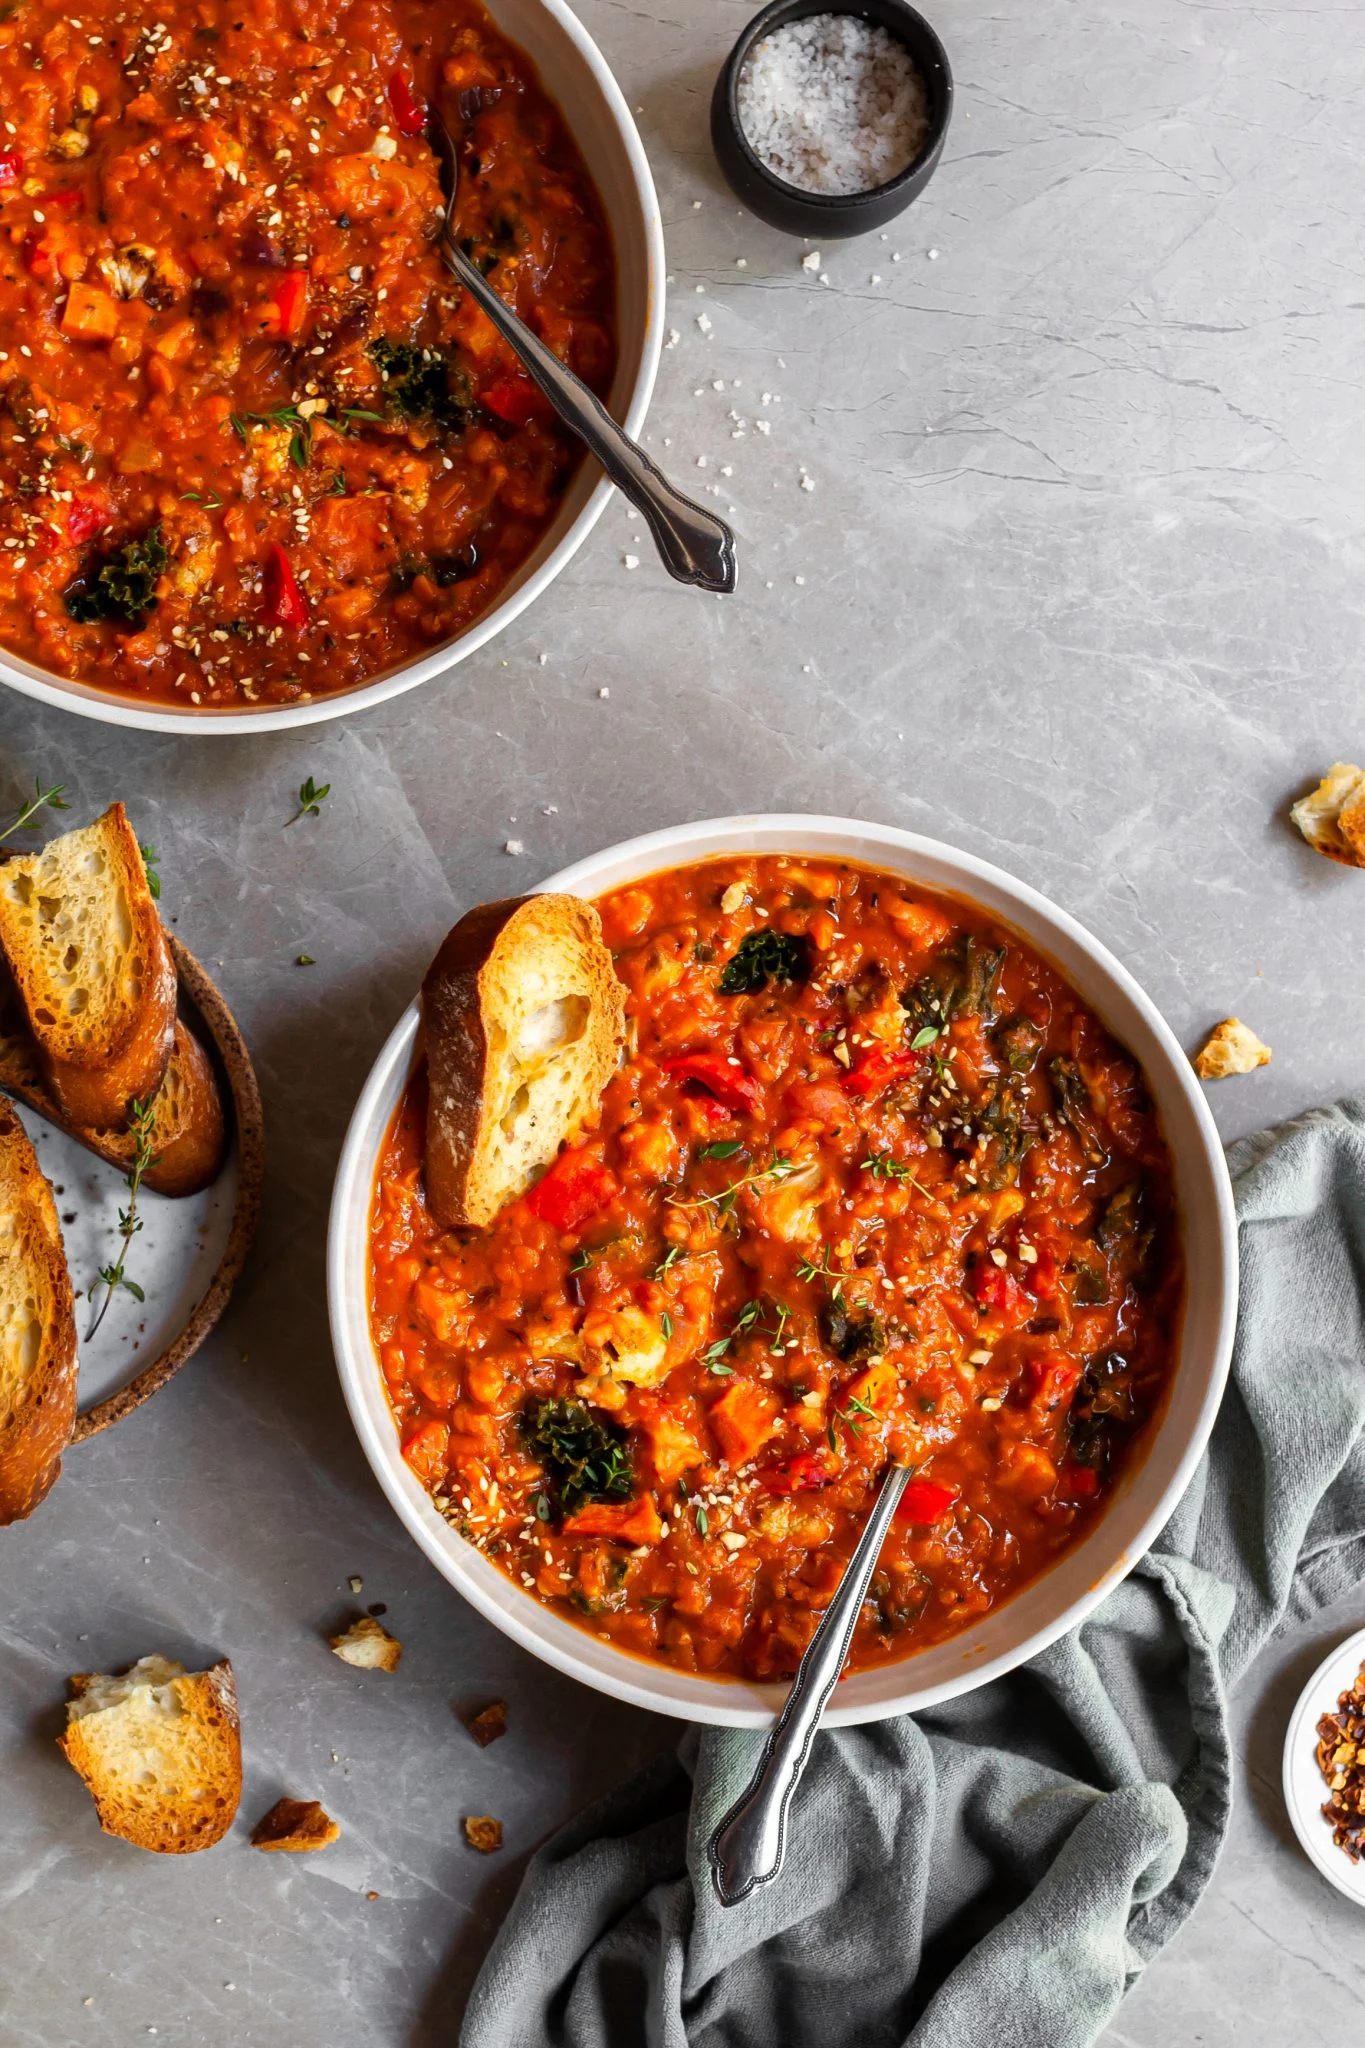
x,y
1305,1793
575,74
1065,1594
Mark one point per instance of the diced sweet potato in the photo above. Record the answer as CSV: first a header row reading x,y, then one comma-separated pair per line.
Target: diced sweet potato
x,y
425,1450
743,1419
89,314
672,1448
876,1386
625,1521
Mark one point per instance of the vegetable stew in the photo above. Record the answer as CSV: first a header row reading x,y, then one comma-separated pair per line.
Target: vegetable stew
x,y
256,445
871,1182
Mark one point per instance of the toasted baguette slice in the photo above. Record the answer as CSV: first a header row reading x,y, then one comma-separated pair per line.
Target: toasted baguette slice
x,y
92,967
524,1019
189,1132
37,1329
160,1751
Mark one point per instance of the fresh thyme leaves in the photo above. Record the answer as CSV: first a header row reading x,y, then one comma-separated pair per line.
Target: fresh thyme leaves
x,y
141,1118
581,1260
211,503
856,1408
586,1459
766,956
720,1148
670,1258
123,587
703,1520
311,796
53,799
666,1324
882,1166
150,858
724,1203
925,1036
301,430
304,960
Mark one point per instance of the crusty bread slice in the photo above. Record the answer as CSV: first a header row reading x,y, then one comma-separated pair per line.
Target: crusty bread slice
x,y
37,1329
189,1131
92,967
160,1751
524,1020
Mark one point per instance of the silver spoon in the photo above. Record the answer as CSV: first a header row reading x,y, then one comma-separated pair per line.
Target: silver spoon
x,y
749,1845
694,545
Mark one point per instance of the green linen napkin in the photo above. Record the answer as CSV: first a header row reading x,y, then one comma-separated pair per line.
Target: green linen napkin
x,y
998,1869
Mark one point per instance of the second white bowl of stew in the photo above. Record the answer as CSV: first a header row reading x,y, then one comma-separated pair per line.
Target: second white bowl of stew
x,y
899,1163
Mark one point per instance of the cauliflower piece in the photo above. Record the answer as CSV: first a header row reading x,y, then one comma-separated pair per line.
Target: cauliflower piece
x,y
1233,1048
630,1344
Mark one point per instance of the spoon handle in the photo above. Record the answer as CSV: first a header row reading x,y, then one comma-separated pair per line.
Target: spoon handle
x,y
696,547
749,1845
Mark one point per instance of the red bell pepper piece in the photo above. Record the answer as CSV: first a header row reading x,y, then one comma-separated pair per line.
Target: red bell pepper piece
x,y
285,603
807,1469
575,1187
731,1086
873,1072
408,111
291,302
11,166
516,400
1042,1277
996,1291
1077,1481
1051,1378
71,199
86,516
924,1502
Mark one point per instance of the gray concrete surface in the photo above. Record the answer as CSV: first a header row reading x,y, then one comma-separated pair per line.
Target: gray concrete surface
x,y
1078,587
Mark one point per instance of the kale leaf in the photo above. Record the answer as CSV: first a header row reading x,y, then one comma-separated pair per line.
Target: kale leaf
x,y
585,1458
123,587
763,957
421,383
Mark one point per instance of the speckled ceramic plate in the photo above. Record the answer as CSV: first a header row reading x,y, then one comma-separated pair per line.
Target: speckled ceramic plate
x,y
1305,1792
190,1250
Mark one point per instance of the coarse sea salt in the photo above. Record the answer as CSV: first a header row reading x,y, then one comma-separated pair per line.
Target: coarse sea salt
x,y
833,104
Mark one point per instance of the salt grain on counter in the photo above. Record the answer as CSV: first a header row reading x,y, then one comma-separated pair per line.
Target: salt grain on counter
x,y
832,104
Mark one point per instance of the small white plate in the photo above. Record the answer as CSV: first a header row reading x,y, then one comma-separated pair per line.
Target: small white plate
x,y
1305,1788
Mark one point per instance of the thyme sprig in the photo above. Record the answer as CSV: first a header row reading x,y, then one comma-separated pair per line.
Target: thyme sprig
x,y
141,1118
723,1203
53,799
856,1407
311,795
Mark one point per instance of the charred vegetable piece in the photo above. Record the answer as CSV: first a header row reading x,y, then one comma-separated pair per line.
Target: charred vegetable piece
x,y
763,957
1104,1401
975,970
852,1334
1121,1218
586,1459
1075,1108
1020,1042
1002,1120
1091,1287
123,588
421,383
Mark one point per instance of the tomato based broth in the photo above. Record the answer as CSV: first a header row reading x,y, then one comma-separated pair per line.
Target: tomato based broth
x,y
872,1182
256,444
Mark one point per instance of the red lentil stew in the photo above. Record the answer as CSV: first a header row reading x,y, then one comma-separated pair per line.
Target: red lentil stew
x,y
256,445
872,1181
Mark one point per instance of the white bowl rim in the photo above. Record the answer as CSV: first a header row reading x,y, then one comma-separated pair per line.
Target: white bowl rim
x,y
575,1651
67,694
1315,1838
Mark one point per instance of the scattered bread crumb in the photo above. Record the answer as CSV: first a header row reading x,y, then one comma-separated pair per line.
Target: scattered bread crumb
x,y
483,1833
368,1646
296,1825
1332,817
1232,1049
487,1726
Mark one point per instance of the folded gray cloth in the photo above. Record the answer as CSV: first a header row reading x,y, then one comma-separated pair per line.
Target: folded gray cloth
x,y
1000,1868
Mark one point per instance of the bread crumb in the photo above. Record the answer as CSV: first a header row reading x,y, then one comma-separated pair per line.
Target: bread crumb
x,y
483,1833
1233,1048
367,1645
513,846
1332,817
488,1725
630,561
296,1825
811,260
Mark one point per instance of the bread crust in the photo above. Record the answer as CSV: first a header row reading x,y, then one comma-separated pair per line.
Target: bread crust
x,y
37,1410
94,1086
295,1825
168,1822
458,995
189,1131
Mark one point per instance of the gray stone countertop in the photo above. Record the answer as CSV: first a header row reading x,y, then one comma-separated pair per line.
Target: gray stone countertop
x,y
1077,586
